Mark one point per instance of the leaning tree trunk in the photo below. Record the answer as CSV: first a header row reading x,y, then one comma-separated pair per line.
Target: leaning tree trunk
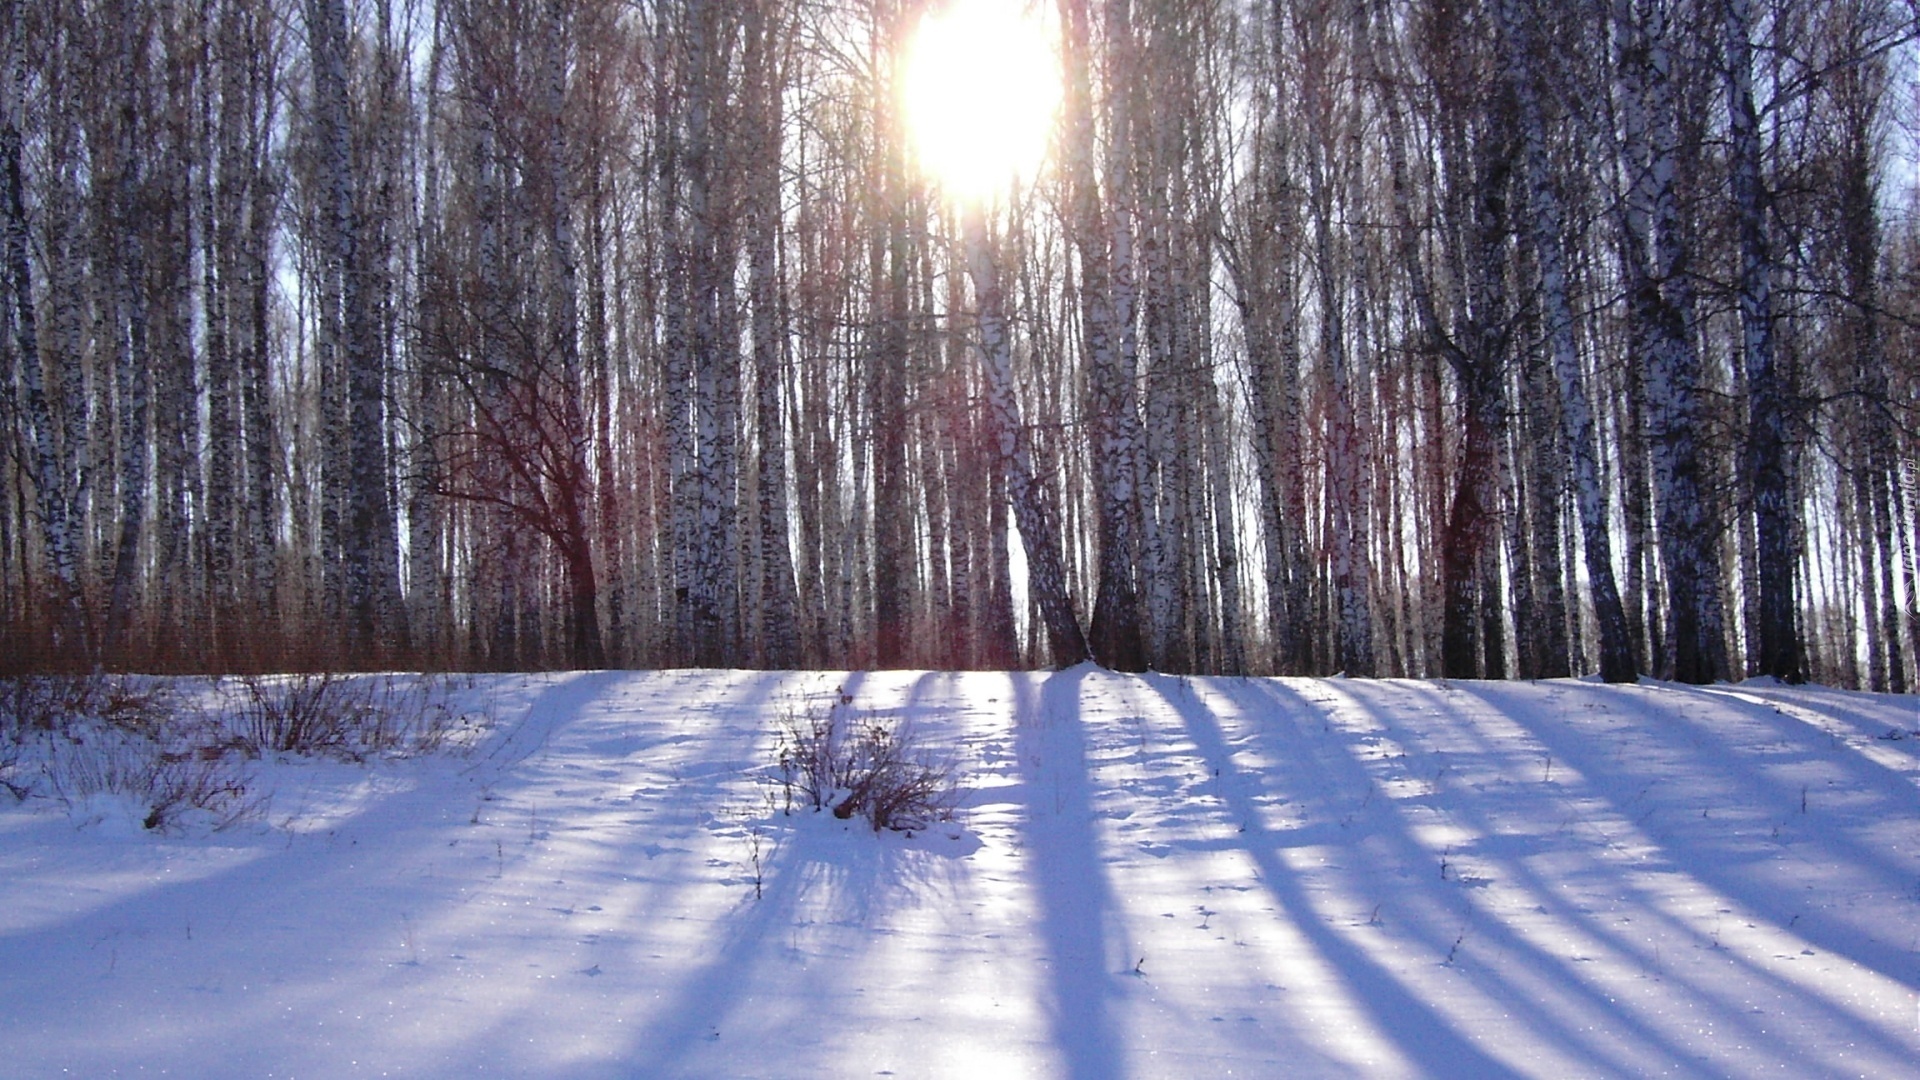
x,y
1033,510
50,475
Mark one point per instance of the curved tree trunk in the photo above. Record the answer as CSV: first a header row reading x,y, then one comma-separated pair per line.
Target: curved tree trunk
x,y
1033,510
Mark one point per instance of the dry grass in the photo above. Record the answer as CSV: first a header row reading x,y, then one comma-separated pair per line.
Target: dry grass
x,y
348,717
138,746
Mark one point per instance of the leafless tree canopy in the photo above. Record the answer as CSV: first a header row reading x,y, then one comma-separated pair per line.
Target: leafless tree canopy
x,y
1465,338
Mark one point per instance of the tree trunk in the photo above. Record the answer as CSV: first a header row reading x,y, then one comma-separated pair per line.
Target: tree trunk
x,y
1115,633
1032,507
1661,302
54,489
780,646
573,478
1576,415
1768,465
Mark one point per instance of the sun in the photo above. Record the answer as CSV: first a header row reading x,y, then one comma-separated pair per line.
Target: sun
x,y
979,88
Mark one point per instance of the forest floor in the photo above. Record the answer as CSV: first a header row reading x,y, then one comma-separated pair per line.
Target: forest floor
x,y
1147,876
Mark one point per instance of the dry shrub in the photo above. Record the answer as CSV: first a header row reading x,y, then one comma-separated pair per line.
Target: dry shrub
x,y
44,717
833,759
85,739
130,746
167,789
350,717
54,702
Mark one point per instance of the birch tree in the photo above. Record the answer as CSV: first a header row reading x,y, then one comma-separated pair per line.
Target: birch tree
x,y
766,29
1661,298
1033,510
1576,413
348,336
1102,232
56,483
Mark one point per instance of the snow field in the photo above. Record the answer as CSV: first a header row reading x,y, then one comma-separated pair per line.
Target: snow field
x,y
1150,876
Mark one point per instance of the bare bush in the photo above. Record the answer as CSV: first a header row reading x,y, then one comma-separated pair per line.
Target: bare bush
x,y
88,739
848,764
127,746
54,702
42,717
347,717
164,788
13,745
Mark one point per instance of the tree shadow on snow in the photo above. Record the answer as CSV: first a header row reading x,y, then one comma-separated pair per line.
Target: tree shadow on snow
x,y
1422,1034
1077,910
349,876
785,979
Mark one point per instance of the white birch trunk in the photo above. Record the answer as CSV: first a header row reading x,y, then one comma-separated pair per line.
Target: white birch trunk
x,y
1160,489
1663,304
1769,469
1032,508
54,486
1102,236
1353,615
133,397
221,183
263,490
1576,414
776,612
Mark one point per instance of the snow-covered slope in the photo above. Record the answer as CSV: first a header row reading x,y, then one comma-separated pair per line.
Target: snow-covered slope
x,y
1151,877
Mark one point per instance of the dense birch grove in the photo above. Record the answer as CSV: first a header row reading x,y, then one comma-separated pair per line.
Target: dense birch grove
x,y
1463,338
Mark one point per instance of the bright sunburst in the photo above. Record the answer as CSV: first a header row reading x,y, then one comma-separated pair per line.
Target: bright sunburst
x,y
979,90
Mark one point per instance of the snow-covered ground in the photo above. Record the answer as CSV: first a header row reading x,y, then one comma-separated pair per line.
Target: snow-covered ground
x,y
1150,877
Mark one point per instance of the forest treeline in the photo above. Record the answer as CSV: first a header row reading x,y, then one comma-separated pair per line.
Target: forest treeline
x,y
1509,338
